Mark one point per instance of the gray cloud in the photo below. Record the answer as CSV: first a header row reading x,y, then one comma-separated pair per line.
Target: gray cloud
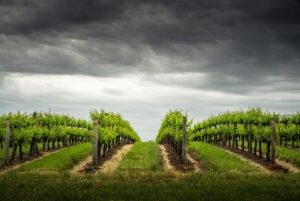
x,y
232,36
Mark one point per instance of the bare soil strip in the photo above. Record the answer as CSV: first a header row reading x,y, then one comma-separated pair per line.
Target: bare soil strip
x,y
191,165
194,162
79,168
19,163
165,159
86,166
261,162
110,165
289,166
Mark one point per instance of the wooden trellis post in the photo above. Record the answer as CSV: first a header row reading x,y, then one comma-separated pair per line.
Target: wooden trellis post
x,y
95,143
183,145
273,151
7,140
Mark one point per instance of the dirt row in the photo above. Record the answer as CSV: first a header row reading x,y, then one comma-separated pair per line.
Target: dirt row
x,y
172,161
108,165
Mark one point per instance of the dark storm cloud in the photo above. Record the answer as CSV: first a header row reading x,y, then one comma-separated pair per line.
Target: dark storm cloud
x,y
27,16
194,20
238,44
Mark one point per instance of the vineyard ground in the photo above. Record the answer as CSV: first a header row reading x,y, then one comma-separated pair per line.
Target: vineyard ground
x,y
17,162
59,161
255,160
144,156
141,177
217,160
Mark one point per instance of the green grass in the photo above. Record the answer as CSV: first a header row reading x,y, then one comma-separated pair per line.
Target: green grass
x,y
217,160
289,155
282,153
152,186
144,156
61,160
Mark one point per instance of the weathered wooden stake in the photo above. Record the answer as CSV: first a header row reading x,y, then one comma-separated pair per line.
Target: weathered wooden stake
x,y
273,151
95,143
183,145
7,139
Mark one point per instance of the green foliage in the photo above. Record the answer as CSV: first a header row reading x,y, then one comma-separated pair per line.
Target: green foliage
x,y
111,126
253,122
38,126
172,126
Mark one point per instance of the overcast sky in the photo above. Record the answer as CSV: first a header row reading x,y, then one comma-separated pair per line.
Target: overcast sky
x,y
142,58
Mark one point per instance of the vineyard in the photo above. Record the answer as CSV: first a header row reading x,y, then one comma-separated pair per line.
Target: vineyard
x,y
112,132
253,125
107,153
52,130
171,130
255,128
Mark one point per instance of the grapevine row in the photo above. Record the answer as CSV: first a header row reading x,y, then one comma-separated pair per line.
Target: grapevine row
x,y
113,130
170,131
252,127
47,128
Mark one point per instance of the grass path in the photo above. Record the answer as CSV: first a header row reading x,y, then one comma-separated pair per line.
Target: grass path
x,y
144,156
262,168
218,160
59,161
